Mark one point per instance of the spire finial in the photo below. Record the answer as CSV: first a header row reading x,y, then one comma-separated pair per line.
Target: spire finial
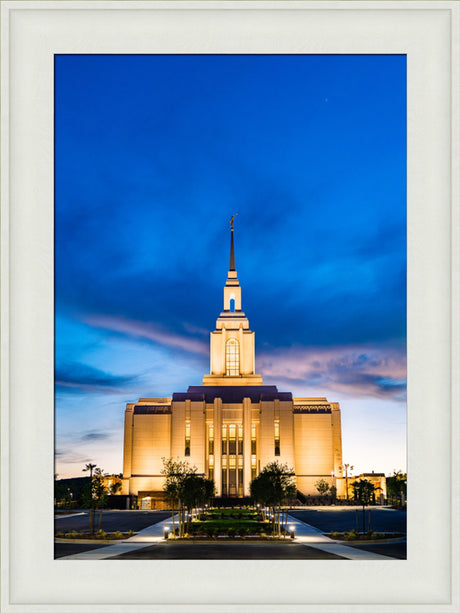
x,y
232,250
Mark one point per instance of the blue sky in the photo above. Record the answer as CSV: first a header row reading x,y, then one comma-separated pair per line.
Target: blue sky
x,y
153,154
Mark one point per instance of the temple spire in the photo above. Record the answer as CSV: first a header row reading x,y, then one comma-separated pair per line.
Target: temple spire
x,y
232,247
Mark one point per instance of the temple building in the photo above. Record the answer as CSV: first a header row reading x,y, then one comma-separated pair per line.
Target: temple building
x,y
232,425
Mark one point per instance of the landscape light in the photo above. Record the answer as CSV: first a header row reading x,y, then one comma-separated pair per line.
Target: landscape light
x,y
166,532
292,531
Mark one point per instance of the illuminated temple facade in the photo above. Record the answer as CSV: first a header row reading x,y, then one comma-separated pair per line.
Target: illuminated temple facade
x,y
232,425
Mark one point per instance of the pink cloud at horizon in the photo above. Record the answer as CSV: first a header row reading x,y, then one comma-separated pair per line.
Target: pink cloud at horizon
x,y
352,370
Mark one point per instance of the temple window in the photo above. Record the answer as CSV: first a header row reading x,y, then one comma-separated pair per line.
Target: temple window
x,y
232,358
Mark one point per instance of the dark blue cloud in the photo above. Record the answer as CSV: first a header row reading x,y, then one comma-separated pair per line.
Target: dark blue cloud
x,y
292,143
95,435
81,377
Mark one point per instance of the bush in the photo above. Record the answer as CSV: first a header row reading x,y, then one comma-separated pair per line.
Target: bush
x,y
117,535
59,533
131,533
101,534
334,535
351,536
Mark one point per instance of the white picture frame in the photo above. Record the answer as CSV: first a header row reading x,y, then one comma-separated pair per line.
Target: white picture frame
x,y
32,32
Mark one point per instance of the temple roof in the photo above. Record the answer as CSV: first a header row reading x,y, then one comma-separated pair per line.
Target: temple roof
x,y
231,394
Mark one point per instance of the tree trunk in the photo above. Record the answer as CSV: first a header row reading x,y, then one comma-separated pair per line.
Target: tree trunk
x,y
173,522
100,520
364,519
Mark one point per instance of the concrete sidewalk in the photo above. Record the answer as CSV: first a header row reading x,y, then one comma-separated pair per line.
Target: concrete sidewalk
x,y
144,538
308,535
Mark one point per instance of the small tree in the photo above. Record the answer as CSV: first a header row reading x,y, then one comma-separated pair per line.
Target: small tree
x,y
114,484
397,486
322,486
94,496
185,490
362,493
273,487
59,493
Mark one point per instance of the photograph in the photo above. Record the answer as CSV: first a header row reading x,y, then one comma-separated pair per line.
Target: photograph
x,y
230,306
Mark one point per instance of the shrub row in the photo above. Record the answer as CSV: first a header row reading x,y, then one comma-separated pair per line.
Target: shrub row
x,y
355,536
100,534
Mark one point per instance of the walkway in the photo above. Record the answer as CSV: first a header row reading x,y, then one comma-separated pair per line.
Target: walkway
x,y
304,534
308,535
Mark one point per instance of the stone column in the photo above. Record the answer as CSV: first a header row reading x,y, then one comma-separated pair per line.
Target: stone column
x,y
247,419
218,445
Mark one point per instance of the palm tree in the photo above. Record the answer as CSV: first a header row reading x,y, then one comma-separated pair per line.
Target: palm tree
x,y
89,467
345,468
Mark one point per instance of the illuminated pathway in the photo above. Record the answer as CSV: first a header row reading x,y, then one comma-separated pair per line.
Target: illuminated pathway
x,y
305,534
313,537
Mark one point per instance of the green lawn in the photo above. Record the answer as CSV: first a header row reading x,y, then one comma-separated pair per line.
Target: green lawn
x,y
227,514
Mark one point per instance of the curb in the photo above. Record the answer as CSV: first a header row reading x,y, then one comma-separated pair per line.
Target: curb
x,y
371,541
91,541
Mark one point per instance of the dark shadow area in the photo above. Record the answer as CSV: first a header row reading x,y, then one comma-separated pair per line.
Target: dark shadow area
x,y
341,520
69,549
228,551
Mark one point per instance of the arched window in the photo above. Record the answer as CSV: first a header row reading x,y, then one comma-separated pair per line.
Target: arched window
x,y
232,358
232,305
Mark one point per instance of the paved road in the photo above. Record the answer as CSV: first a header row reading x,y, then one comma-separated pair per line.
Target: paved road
x,y
228,551
112,520
393,550
343,519
69,549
